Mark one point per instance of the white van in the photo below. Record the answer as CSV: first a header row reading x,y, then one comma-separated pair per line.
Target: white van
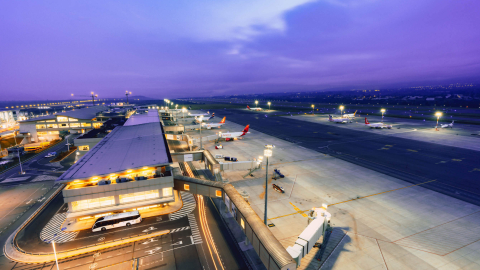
x,y
117,220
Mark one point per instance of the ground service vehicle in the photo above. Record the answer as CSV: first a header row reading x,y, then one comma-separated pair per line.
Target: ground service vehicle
x,y
278,188
116,220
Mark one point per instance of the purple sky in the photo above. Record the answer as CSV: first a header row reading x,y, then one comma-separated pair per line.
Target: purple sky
x,y
50,49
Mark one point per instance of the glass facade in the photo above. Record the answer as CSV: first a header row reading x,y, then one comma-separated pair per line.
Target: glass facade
x,y
62,119
139,196
167,192
93,203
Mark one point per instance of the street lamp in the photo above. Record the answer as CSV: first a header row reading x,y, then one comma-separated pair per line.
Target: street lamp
x,y
201,119
269,103
126,94
267,153
313,108
438,115
383,111
341,110
256,102
183,112
20,161
53,244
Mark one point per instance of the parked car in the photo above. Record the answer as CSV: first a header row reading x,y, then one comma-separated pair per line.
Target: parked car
x,y
231,159
278,188
51,154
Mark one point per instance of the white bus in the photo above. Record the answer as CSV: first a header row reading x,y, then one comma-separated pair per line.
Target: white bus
x,y
117,220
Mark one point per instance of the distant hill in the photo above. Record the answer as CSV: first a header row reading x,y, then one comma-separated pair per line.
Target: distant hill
x,y
141,98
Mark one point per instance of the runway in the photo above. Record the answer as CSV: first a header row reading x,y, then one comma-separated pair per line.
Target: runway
x,y
451,170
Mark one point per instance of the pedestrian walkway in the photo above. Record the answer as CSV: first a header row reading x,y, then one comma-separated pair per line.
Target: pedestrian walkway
x,y
188,206
54,226
179,229
197,238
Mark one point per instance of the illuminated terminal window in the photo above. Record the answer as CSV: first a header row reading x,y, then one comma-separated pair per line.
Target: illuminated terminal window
x,y
84,148
139,196
52,126
75,125
93,203
242,223
186,187
41,126
62,119
72,119
167,192
86,124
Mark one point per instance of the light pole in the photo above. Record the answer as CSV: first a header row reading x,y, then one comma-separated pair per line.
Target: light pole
x,y
201,119
127,94
341,110
313,108
267,153
383,111
68,146
438,115
53,244
183,113
269,103
256,102
20,161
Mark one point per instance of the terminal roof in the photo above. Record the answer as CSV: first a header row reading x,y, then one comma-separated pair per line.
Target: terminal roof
x,y
85,113
151,116
126,147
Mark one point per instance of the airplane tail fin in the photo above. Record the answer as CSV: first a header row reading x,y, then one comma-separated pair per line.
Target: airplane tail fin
x,y
366,121
245,130
354,113
329,117
223,120
248,107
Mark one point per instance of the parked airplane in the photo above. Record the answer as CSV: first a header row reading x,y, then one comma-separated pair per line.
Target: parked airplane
x,y
447,125
198,114
230,136
197,118
212,125
376,125
350,115
338,120
254,109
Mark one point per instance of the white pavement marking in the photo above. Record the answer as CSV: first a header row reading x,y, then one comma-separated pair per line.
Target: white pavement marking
x,y
179,229
21,202
188,206
23,178
54,227
197,238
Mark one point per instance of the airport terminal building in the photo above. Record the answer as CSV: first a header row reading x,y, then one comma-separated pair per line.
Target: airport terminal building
x,y
47,128
127,170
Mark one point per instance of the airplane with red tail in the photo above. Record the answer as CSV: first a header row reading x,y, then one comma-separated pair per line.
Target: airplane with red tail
x,y
376,125
230,136
212,125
